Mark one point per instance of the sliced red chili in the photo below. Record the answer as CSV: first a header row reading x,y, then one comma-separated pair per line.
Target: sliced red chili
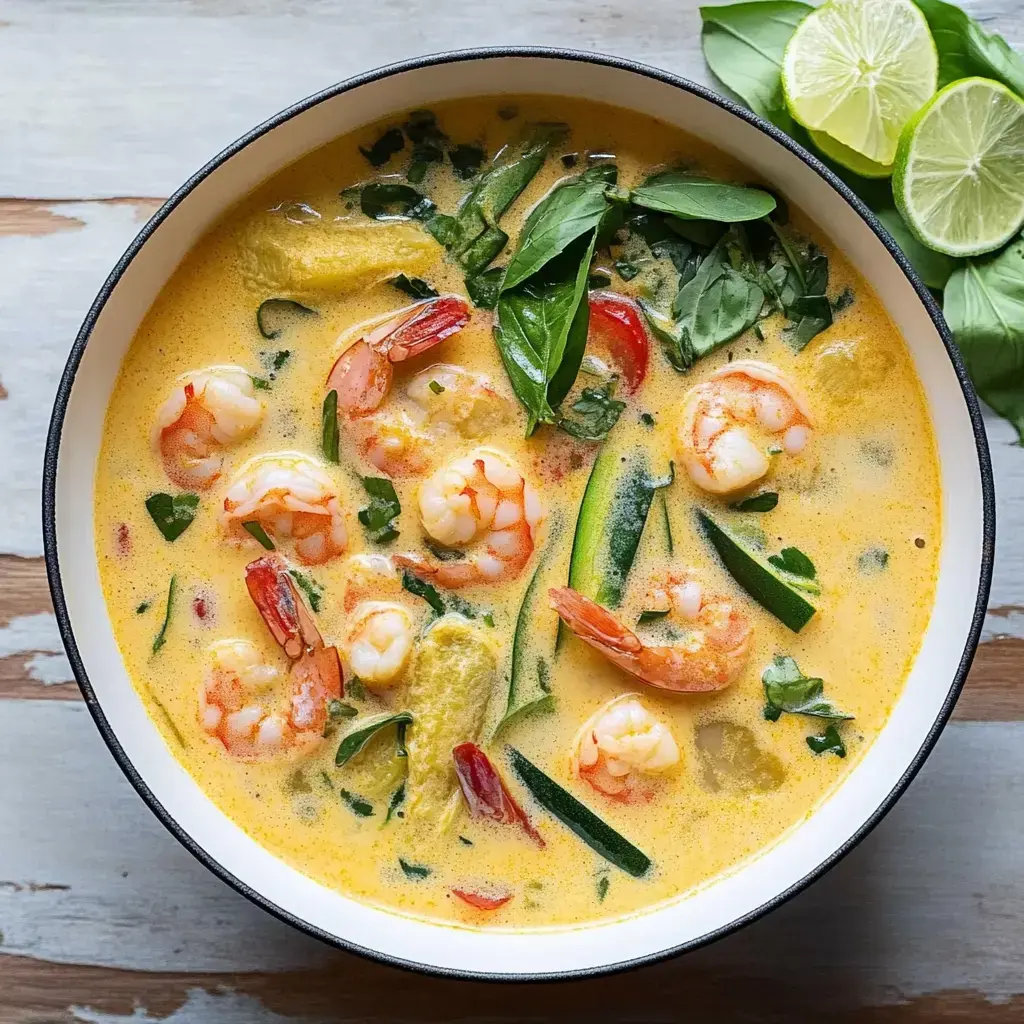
x,y
482,902
617,327
485,792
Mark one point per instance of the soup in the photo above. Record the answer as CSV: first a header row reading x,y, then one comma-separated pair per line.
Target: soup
x,y
514,516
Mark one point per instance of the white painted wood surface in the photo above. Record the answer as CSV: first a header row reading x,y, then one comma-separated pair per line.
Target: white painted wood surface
x,y
105,100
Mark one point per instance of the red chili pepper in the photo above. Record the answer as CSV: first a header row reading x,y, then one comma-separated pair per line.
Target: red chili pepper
x,y
486,793
481,902
617,326
200,607
123,539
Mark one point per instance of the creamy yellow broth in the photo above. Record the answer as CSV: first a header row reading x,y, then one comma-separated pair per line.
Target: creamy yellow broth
x,y
868,479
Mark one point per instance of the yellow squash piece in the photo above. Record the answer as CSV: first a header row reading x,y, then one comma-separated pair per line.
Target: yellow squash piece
x,y
453,676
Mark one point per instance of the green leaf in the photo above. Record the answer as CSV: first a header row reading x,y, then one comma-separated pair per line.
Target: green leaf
x,y
397,799
356,804
799,285
466,160
255,530
743,45
413,286
596,413
873,561
330,440
392,200
651,616
602,888
260,383
829,742
568,212
390,143
419,588
143,608
356,738
275,316
484,289
379,516
161,638
966,49
763,502
338,709
172,515
795,562
984,307
309,586
787,689
689,196
933,267
414,871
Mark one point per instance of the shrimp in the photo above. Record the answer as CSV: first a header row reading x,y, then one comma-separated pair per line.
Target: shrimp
x,y
620,747
363,375
239,700
713,436
379,643
709,657
207,411
287,495
481,497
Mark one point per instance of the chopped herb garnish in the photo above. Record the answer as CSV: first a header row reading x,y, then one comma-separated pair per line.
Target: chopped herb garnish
x,y
357,738
795,562
466,160
413,870
390,143
596,413
465,841
829,742
397,798
143,608
255,529
356,804
391,200
422,589
787,689
651,616
872,561
626,269
173,515
330,440
843,300
161,638
489,619
765,502
280,358
309,586
275,316
355,688
379,516
598,280
297,782
438,389
415,287
338,709
602,888
647,419
260,383
483,288
771,713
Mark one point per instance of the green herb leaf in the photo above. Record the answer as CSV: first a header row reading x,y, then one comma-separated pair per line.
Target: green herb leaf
x,y
260,383
842,301
763,502
414,871
484,289
626,269
437,389
828,742
873,561
602,888
795,562
255,530
309,586
489,619
275,316
984,307
466,160
799,286
422,589
647,419
743,45
355,689
390,143
357,737
596,413
330,441
771,713
379,516
338,709
393,200
356,804
787,689
413,286
651,616
172,515
161,638
465,841
143,607
689,196
397,799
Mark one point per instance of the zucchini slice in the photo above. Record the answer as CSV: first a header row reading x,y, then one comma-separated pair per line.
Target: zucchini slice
x,y
579,818
763,582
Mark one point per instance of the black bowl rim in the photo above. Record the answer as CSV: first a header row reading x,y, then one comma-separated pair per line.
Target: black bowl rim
x,y
431,60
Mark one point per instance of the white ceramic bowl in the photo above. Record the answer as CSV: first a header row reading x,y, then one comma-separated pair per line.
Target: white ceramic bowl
x,y
726,903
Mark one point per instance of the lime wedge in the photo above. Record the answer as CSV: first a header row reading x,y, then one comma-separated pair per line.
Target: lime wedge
x,y
849,158
859,70
959,179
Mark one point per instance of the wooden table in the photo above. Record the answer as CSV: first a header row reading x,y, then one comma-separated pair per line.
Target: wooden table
x,y
105,107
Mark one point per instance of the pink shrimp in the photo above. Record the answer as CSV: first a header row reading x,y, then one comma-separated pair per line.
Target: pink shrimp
x,y
709,658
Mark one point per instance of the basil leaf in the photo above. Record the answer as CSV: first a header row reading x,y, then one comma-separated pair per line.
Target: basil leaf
x,y
743,45
984,306
763,502
689,196
356,804
829,742
429,143
413,286
379,516
161,638
338,709
419,588
275,316
483,251
787,689
793,561
357,738
651,616
309,586
597,412
143,608
966,49
933,267
414,871
484,289
568,212
602,888
397,799
329,428
172,515
799,285
392,200
466,160
390,143
256,531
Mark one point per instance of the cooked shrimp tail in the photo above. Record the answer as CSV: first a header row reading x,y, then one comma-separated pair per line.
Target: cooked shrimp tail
x,y
275,595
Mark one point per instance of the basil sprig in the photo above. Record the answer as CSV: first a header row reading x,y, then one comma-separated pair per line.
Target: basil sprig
x,y
356,738
787,689
379,516
173,514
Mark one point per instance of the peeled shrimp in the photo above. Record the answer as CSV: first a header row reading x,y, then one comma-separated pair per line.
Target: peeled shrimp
x,y
240,700
620,747
207,410
481,499
291,497
709,657
720,415
379,643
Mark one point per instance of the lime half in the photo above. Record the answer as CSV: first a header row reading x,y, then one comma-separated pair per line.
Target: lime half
x,y
859,70
959,180
848,158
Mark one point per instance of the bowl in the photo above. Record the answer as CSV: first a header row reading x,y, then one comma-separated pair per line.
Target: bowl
x,y
725,903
